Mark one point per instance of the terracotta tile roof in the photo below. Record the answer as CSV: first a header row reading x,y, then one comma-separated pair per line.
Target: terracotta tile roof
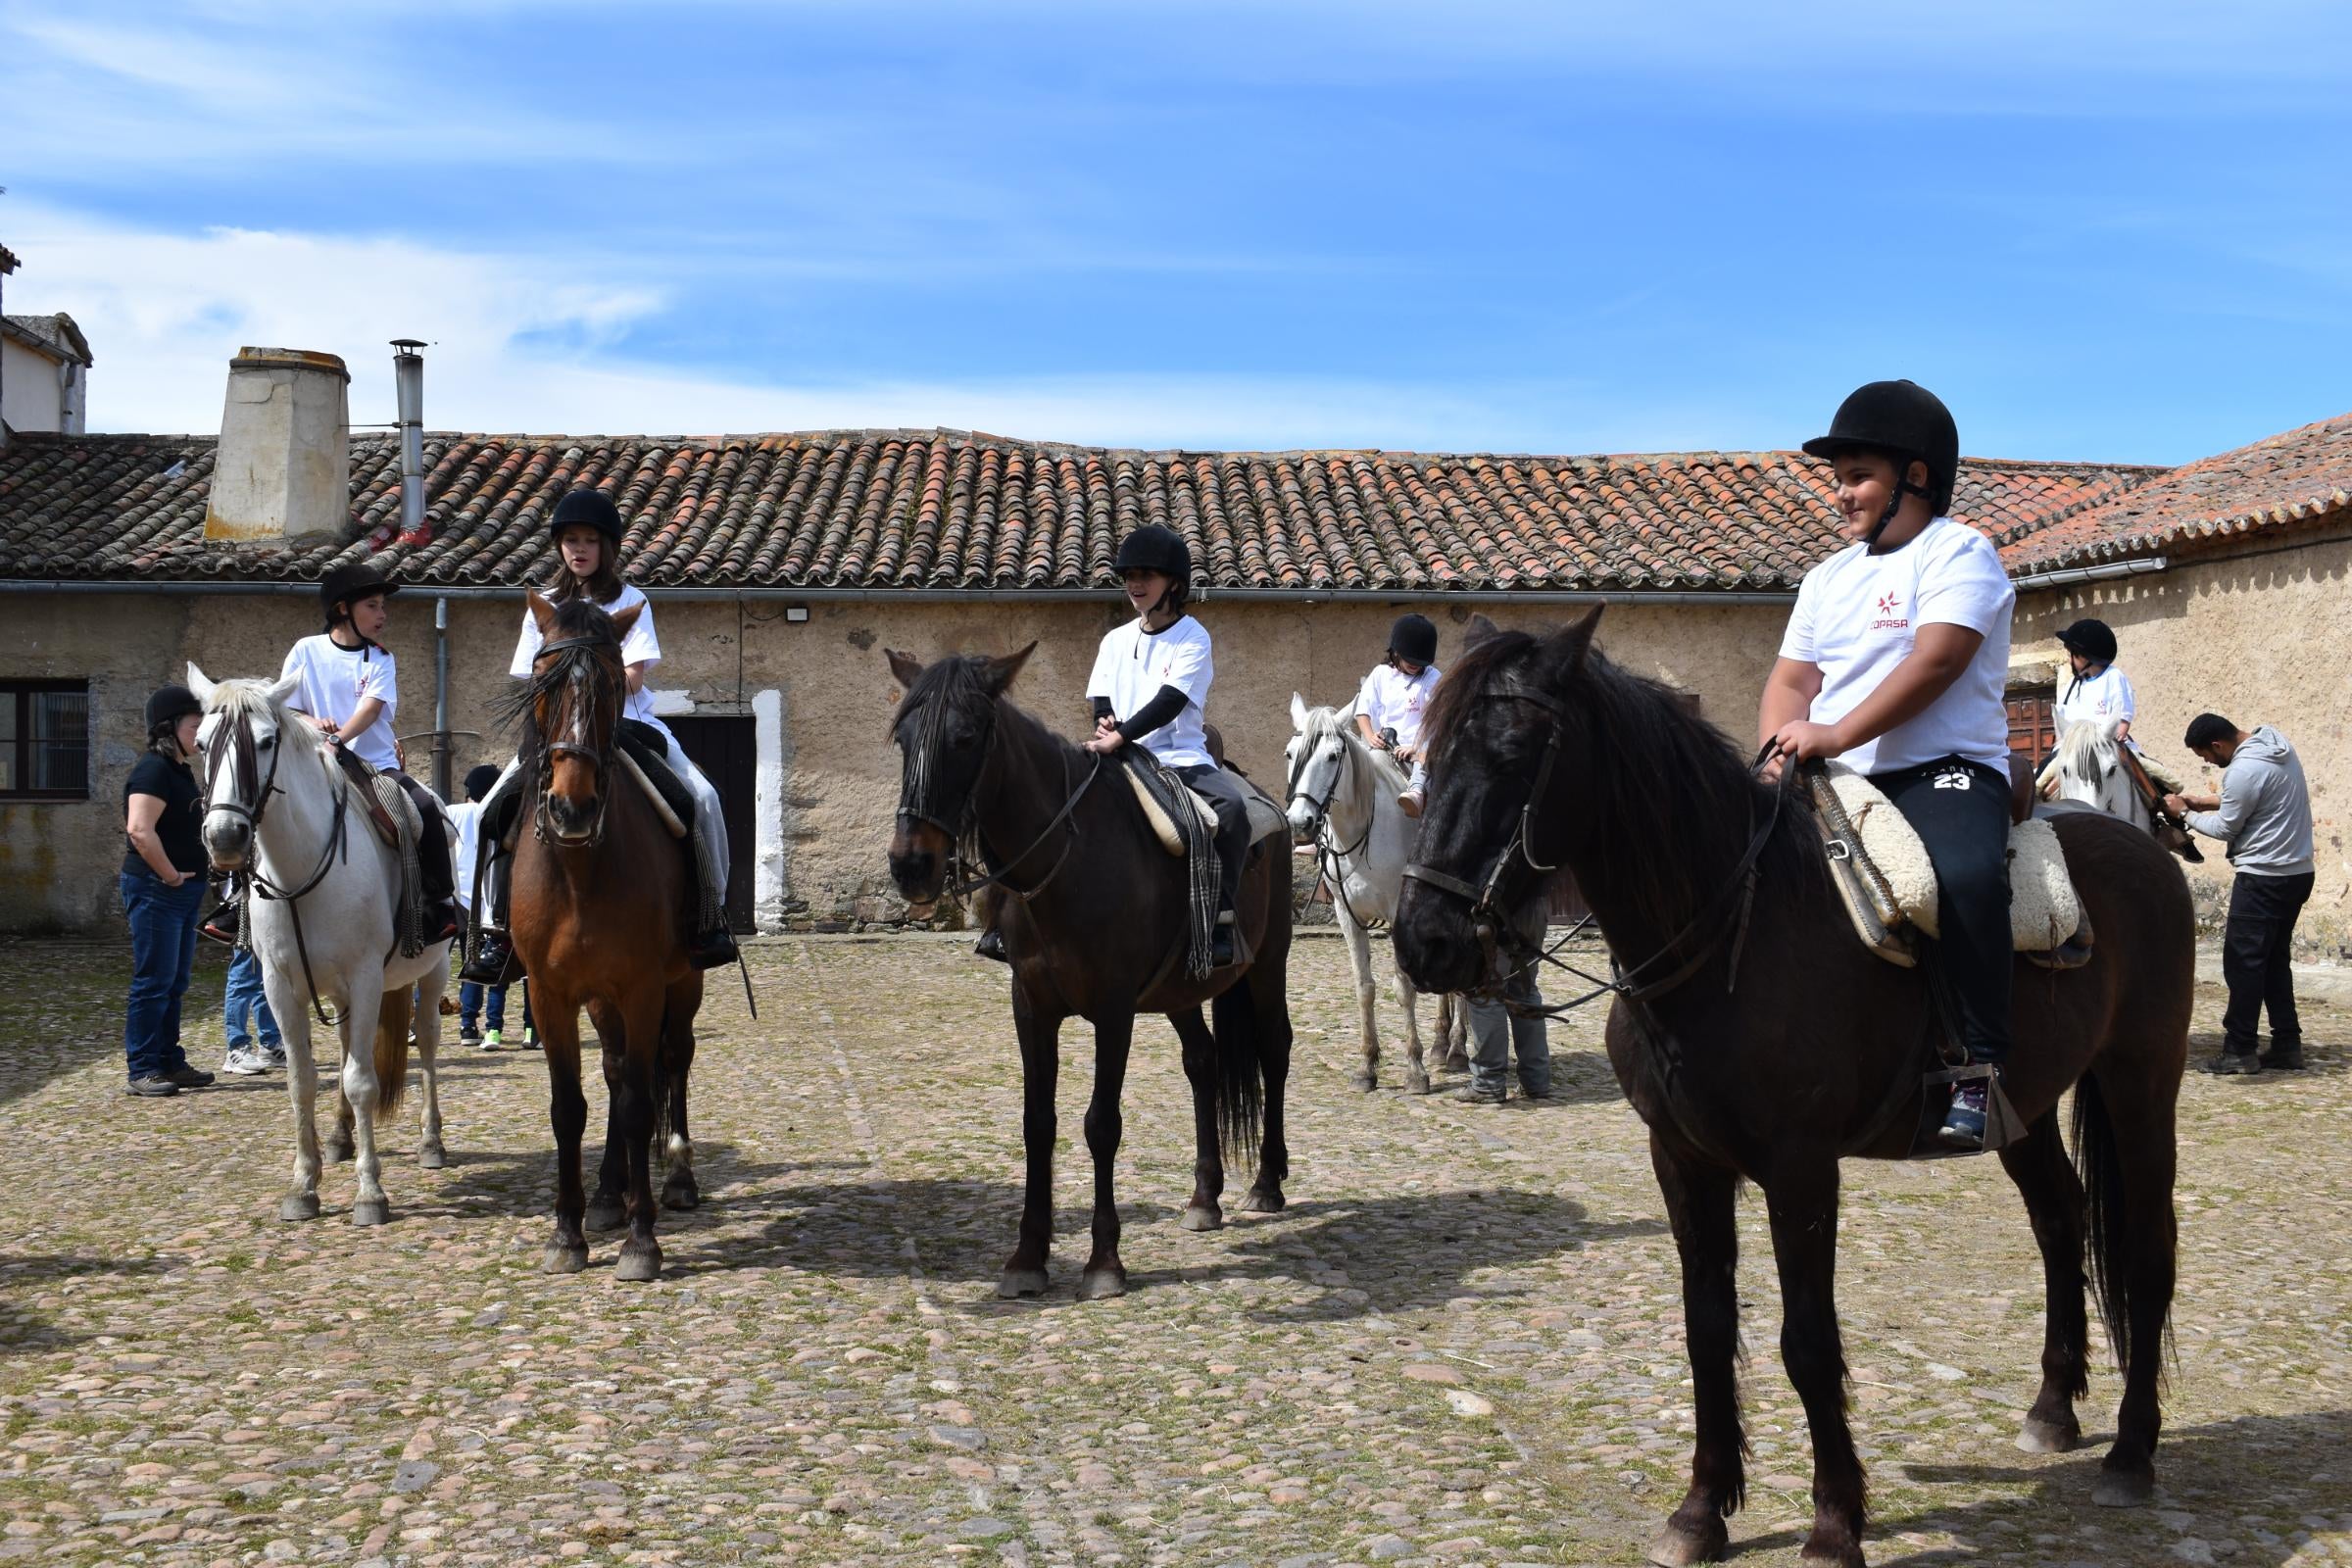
x,y
941,509
2284,482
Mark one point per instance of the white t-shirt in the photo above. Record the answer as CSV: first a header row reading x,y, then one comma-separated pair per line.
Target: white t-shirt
x,y
2100,699
1133,665
465,817
639,646
1393,699
1856,618
335,679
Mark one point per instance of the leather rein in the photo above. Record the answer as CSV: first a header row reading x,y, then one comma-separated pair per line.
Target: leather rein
x,y
599,758
1328,857
243,759
915,805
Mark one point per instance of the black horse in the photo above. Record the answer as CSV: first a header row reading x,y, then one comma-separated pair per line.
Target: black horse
x,y
1760,1040
1093,913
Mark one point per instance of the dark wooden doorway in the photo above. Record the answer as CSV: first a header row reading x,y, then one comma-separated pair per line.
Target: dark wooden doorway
x,y
2033,724
726,750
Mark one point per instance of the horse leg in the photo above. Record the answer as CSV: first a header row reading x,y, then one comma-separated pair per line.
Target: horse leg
x,y
1803,1205
2053,1195
302,1088
2124,1122
1453,1033
630,1052
430,1154
342,1144
1360,960
680,1191
1104,1275
558,1022
608,1206
1203,1211
1698,1205
1040,1069
1416,1072
360,1094
1268,990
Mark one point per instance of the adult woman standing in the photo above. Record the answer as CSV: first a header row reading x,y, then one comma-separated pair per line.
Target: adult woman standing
x,y
162,889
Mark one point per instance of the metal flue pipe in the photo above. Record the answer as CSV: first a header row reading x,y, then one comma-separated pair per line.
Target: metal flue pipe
x,y
408,378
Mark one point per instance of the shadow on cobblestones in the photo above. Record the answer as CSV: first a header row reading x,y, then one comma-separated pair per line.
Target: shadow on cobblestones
x,y
22,1331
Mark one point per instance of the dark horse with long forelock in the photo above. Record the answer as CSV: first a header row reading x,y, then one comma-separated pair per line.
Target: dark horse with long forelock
x,y
602,903
1760,1040
1093,913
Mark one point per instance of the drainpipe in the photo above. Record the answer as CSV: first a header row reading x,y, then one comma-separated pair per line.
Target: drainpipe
x,y
441,697
408,378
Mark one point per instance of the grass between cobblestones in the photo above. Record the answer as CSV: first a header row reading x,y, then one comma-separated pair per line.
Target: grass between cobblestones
x,y
1461,1344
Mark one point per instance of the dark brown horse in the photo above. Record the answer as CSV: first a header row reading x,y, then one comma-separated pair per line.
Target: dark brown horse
x,y
1093,913
1772,1045
602,901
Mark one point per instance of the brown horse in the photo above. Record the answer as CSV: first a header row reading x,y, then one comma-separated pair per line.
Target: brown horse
x,y
603,900
1093,915
1761,1041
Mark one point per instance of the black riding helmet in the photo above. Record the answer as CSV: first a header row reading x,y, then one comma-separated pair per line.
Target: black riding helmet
x,y
1414,637
479,781
1153,548
169,705
352,580
592,508
2094,640
1907,423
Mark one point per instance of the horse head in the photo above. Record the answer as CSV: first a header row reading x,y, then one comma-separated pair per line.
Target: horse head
x,y
571,706
1316,764
1486,842
2090,769
942,728
245,732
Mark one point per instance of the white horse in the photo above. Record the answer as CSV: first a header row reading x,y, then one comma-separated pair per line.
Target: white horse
x,y
278,807
1343,794
2090,769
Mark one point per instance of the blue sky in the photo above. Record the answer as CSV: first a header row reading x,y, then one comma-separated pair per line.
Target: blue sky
x,y
2100,230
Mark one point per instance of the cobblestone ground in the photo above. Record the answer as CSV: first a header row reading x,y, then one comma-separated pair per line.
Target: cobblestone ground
x,y
1461,1344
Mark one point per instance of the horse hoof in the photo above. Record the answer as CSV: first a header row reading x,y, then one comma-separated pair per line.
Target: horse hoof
x,y
1263,1201
432,1156
1836,1549
2123,1488
1019,1282
1457,1062
371,1211
1363,1082
567,1259
1416,1082
298,1205
605,1215
1197,1218
681,1194
638,1262
340,1154
2048,1437
1676,1547
1102,1283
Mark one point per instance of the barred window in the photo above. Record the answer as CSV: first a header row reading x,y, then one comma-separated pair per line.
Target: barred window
x,y
44,740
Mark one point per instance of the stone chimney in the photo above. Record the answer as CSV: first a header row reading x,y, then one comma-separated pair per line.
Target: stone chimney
x,y
284,465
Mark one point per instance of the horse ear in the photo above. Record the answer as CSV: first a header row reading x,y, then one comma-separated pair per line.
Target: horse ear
x,y
285,686
1480,629
1297,712
1564,649
903,667
198,684
625,619
1000,673
542,612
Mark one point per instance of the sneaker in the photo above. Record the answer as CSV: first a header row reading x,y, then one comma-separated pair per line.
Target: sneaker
x,y
273,1057
243,1064
2282,1059
1411,802
1545,1093
492,1039
470,1033
530,1038
187,1077
154,1086
441,922
1473,1095
1964,1124
2231,1064
222,924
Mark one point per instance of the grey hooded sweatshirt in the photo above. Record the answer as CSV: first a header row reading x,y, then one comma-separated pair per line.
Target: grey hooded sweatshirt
x,y
2265,815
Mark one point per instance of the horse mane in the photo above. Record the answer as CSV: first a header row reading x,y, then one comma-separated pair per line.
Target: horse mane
x,y
1324,722
250,699
574,617
2087,750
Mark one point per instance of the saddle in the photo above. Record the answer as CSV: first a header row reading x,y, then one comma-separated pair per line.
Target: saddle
x,y
395,816
1265,816
1888,884
644,757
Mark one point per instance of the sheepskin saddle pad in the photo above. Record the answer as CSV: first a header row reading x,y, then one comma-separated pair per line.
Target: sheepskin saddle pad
x,y
1265,816
1888,884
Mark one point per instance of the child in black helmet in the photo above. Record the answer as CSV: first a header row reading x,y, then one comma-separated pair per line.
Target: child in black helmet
x,y
1394,697
1894,663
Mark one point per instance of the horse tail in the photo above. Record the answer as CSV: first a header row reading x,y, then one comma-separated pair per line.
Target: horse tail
x,y
2108,1245
393,1015
1240,1091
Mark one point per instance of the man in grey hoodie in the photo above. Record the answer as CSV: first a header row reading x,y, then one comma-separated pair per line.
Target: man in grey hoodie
x,y
2264,814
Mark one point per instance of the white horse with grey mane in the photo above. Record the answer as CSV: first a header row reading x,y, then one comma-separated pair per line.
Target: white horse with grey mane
x,y
281,810
1341,794
2090,765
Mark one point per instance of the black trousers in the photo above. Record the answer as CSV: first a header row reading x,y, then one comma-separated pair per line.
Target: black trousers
x,y
1224,793
1961,812
2257,946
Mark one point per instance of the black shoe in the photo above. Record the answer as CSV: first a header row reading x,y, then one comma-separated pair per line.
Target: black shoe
x,y
1221,948
2282,1059
714,949
493,961
154,1086
991,945
187,1077
222,924
2230,1063
441,922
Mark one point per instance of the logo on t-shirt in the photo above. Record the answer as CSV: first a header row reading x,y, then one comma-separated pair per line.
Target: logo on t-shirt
x,y
1890,616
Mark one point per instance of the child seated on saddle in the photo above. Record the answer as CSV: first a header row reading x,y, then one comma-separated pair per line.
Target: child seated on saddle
x,y
1150,687
587,534
350,690
1894,663
2096,692
1395,696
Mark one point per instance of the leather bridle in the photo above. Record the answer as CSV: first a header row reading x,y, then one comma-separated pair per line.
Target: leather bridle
x,y
241,757
919,791
1328,857
599,757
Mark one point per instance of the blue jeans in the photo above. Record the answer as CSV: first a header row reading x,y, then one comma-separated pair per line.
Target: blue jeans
x,y
163,956
488,1004
245,1000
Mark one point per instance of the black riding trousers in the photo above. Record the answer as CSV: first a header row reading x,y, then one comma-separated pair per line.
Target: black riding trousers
x,y
1224,793
1960,810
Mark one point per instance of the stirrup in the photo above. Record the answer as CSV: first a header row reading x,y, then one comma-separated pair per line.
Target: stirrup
x,y
493,961
712,948
2002,1125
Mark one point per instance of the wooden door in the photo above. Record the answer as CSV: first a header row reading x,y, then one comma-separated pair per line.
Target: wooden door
x,y
726,750
2034,726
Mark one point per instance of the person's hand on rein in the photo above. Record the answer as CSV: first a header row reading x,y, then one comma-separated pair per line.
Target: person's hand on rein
x,y
1803,741
1105,739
